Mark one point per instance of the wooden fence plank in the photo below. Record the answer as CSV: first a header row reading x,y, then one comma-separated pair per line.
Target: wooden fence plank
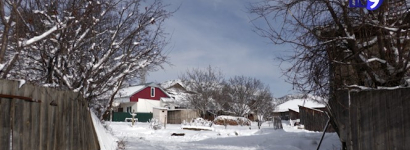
x,y
405,98
27,132
66,122
53,117
17,124
353,121
70,122
386,130
367,108
394,119
5,123
35,126
76,125
360,128
84,125
82,129
5,126
26,91
377,124
80,126
17,117
35,120
60,136
7,88
44,120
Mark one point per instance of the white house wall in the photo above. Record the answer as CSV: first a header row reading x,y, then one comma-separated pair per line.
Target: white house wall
x,y
133,105
146,105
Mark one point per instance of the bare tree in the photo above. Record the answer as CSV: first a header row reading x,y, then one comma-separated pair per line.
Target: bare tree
x,y
205,83
86,46
338,45
262,105
245,95
240,92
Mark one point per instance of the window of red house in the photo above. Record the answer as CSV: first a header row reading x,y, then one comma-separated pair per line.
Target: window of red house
x,y
152,91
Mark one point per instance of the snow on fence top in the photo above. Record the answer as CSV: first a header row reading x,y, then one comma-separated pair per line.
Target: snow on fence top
x,y
106,140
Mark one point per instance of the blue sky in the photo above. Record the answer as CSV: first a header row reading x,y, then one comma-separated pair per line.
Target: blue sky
x,y
219,33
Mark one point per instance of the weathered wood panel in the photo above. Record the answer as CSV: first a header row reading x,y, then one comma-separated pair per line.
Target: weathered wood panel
x,y
178,116
5,125
17,123
35,120
406,117
39,118
314,119
375,119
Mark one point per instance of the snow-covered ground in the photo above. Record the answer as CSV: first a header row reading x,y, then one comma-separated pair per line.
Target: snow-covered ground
x,y
141,137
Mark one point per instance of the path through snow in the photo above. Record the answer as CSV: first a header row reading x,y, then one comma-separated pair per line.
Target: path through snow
x,y
141,137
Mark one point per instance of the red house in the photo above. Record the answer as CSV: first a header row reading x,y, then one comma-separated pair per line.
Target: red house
x,y
140,98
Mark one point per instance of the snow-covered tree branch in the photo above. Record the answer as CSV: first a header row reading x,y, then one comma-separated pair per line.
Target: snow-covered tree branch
x,y
247,95
205,84
357,47
84,46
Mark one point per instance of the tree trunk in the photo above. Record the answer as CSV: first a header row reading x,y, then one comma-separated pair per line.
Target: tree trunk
x,y
107,111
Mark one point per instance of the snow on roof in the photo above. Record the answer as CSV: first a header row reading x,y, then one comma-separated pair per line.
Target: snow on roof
x,y
127,92
167,99
161,108
170,83
297,110
294,105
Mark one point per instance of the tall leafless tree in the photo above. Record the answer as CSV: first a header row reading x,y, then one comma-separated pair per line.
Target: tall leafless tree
x,y
262,105
336,46
206,84
246,95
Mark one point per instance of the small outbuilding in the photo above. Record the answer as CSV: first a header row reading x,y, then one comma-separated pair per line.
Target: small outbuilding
x,y
314,119
290,109
160,113
294,114
177,116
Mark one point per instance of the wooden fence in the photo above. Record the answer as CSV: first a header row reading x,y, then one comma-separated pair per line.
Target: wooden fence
x,y
314,119
179,115
33,117
377,120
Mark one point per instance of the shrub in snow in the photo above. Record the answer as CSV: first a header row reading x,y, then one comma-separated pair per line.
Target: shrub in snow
x,y
121,144
107,127
201,122
197,124
231,120
155,124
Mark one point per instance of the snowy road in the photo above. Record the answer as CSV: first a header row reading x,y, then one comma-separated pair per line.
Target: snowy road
x,y
140,137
